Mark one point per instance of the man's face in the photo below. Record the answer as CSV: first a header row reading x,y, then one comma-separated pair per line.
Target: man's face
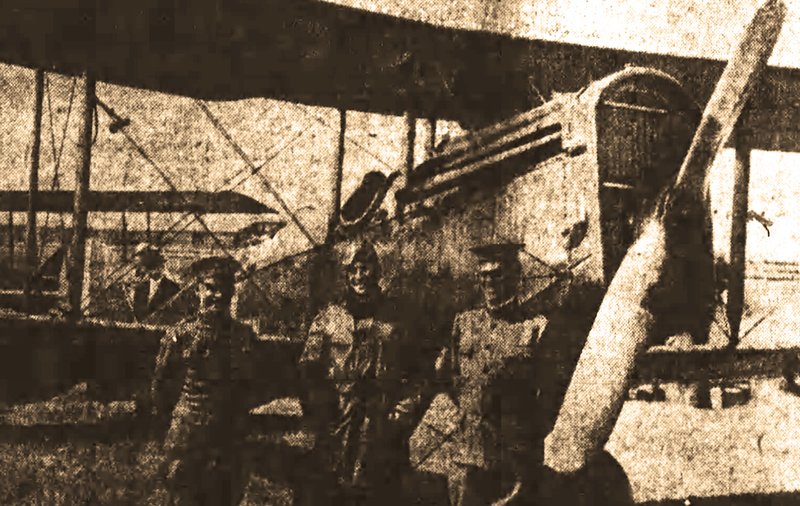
x,y
148,265
499,282
361,278
214,295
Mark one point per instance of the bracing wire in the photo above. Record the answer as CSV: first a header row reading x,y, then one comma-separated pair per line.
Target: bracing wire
x,y
348,139
56,153
253,170
555,273
173,229
181,222
267,185
140,150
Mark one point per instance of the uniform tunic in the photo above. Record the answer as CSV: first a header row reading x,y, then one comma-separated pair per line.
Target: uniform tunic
x,y
202,371
492,357
361,371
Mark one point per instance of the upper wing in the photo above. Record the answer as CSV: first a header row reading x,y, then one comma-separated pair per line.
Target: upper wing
x,y
316,52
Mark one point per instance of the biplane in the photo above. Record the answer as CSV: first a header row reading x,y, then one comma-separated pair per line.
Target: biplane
x,y
572,175
44,279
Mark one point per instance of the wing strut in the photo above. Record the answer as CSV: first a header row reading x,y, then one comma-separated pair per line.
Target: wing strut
x,y
336,182
741,182
33,188
408,147
77,248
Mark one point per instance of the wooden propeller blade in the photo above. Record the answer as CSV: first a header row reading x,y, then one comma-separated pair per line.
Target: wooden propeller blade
x,y
744,69
624,322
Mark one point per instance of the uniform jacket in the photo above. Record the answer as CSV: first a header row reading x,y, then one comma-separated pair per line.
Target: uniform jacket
x,y
202,380
492,360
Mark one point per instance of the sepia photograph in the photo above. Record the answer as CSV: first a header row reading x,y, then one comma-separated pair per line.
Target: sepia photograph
x,y
400,252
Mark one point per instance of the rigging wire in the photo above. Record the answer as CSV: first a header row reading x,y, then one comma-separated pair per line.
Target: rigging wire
x,y
167,236
172,231
267,185
556,273
554,270
127,268
253,170
56,153
246,275
348,139
197,217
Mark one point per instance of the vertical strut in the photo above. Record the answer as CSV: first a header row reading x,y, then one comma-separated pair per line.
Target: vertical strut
x,y
741,183
33,188
77,250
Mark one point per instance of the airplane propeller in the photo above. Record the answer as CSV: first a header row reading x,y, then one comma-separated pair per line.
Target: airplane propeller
x,y
625,322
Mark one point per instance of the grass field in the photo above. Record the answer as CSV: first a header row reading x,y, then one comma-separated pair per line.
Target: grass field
x,y
78,473
44,465
671,452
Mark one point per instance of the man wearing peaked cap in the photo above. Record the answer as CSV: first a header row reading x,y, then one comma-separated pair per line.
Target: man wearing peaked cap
x,y
489,365
202,380
499,270
500,402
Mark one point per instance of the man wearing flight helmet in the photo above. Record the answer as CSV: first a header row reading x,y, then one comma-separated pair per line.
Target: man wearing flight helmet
x,y
357,392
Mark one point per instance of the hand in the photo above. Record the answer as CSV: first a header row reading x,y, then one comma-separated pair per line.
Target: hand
x,y
404,410
562,271
441,364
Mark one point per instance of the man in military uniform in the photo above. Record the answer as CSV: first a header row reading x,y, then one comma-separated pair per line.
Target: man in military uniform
x,y
498,442
357,396
201,379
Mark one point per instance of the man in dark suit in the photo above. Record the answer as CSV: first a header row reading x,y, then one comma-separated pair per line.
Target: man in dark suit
x,y
151,289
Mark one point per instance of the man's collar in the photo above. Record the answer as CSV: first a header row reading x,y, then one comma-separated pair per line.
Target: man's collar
x,y
504,309
363,306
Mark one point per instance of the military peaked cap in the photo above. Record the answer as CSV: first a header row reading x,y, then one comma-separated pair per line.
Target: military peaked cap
x,y
497,252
